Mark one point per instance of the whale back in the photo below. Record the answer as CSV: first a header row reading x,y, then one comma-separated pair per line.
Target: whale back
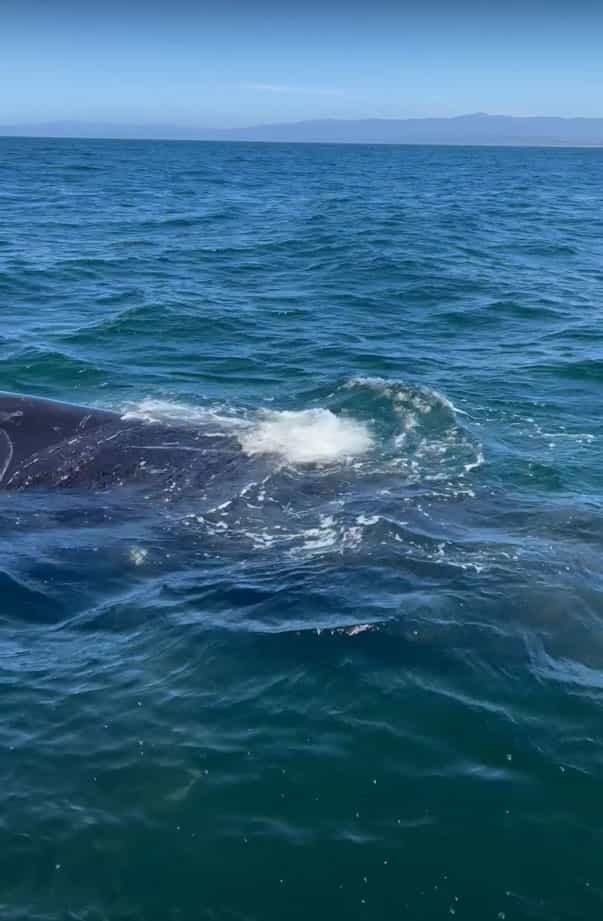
x,y
30,426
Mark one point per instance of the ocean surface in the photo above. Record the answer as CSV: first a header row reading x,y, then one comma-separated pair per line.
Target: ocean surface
x,y
359,673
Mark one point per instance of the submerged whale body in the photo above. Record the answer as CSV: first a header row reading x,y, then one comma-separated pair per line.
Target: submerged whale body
x,y
47,443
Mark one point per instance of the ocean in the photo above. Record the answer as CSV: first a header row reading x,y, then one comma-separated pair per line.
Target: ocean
x,y
357,674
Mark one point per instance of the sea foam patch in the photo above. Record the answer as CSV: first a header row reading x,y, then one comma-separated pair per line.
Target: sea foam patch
x,y
310,436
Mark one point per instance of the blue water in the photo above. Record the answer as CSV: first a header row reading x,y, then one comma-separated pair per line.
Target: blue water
x,y
359,674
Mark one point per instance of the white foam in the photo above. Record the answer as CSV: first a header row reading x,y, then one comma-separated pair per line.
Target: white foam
x,y
138,555
479,460
311,436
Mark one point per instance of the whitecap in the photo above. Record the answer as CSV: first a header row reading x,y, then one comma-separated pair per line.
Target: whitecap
x,y
310,436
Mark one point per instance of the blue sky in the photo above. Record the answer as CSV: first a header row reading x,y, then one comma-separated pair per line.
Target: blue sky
x,y
233,63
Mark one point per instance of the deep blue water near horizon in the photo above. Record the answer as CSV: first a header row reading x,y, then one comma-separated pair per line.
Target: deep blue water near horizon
x,y
362,678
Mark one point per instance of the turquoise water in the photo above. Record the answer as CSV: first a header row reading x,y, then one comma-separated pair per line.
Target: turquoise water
x,y
359,674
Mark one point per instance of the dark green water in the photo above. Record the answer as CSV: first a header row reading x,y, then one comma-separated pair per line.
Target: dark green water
x,y
359,674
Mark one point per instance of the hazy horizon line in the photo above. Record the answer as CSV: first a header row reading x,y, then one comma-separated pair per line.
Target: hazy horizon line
x,y
471,129
295,121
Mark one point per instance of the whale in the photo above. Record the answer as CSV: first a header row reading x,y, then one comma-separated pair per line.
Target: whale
x,y
46,444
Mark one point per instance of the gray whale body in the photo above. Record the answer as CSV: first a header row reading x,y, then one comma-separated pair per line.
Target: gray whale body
x,y
50,444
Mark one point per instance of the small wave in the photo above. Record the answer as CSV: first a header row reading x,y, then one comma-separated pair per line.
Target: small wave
x,y
422,398
32,370
420,433
32,601
586,369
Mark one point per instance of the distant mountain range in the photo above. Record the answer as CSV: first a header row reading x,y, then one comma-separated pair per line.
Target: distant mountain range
x,y
478,129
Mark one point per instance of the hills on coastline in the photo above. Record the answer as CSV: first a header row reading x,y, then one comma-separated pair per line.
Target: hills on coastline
x,y
477,129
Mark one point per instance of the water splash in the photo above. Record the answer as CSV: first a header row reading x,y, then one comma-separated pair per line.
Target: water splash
x,y
311,436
